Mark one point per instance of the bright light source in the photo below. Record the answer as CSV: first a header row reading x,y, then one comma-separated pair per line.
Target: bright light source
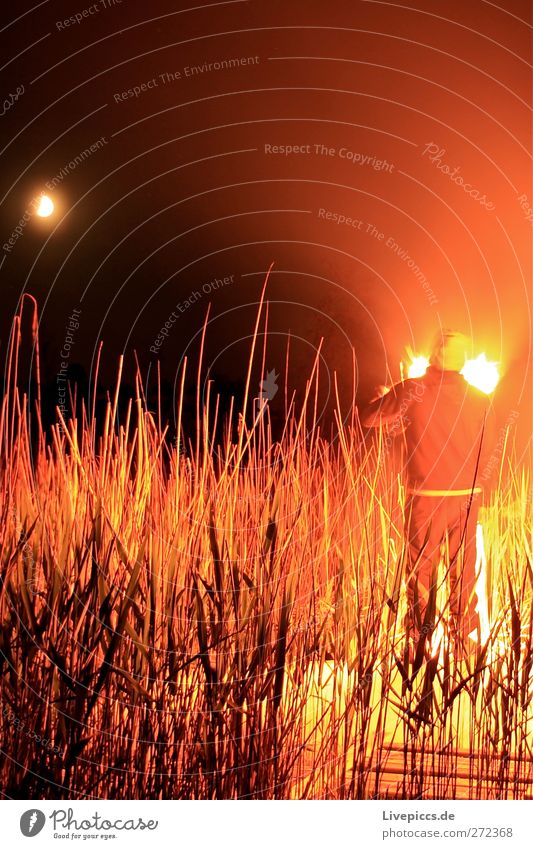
x,y
481,584
45,206
481,373
418,366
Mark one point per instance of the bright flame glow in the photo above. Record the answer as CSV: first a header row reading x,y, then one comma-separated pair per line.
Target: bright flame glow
x,y
481,584
418,366
45,206
498,647
437,639
481,373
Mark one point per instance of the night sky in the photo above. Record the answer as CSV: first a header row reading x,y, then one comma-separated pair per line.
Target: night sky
x,y
377,153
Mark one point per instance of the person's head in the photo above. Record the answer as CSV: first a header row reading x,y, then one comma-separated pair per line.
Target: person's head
x,y
450,350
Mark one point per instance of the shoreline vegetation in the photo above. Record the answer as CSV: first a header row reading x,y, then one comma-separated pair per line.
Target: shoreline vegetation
x,y
205,624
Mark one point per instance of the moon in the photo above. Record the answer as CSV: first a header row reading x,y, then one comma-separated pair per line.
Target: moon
x,y
45,207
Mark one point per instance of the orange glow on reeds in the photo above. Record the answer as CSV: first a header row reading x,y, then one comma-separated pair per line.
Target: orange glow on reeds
x,y
200,624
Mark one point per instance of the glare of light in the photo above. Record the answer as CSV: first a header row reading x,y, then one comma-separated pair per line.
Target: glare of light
x,y
482,606
481,584
418,366
437,640
499,646
45,206
481,373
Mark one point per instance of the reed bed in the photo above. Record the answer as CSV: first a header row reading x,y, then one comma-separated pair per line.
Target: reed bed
x,y
184,622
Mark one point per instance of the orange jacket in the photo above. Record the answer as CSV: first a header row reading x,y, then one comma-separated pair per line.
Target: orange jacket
x,y
449,429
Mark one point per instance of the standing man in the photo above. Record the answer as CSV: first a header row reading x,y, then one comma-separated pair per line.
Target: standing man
x,y
449,431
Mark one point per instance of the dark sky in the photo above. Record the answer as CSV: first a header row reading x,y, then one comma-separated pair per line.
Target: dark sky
x,y
378,153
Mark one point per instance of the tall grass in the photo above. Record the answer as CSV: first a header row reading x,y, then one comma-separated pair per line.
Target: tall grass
x,y
180,622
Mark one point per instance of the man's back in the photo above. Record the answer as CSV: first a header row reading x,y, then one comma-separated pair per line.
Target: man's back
x,y
448,428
